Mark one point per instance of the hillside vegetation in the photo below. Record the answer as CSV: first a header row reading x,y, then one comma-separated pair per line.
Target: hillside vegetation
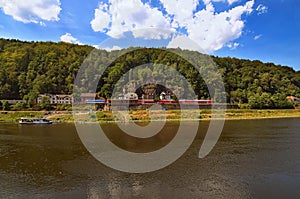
x,y
30,68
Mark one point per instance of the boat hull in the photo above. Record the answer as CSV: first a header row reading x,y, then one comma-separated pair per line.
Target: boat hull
x,y
34,121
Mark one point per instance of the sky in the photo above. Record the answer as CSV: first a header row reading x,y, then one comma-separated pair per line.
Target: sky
x,y
266,30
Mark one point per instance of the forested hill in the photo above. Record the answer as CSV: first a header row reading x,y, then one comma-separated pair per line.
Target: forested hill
x,y
30,68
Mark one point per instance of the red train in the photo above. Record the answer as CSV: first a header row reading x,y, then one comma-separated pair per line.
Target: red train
x,y
150,101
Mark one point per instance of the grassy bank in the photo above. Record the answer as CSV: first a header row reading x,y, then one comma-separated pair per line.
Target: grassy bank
x,y
14,116
143,115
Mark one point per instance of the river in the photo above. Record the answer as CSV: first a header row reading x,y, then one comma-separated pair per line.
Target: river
x,y
252,159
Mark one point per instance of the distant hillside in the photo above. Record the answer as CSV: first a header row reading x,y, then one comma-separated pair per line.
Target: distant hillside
x,y
30,68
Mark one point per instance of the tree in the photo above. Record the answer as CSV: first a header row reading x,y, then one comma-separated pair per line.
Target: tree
x,y
19,106
280,101
266,101
5,106
45,103
30,68
31,97
254,102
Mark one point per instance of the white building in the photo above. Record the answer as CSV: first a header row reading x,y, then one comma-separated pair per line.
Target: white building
x,y
56,99
130,96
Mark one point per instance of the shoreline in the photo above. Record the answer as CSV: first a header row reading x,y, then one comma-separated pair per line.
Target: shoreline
x,y
143,115
172,120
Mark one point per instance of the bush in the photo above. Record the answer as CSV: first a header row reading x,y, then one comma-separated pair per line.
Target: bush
x,y
280,101
45,103
5,106
244,106
64,107
19,106
267,101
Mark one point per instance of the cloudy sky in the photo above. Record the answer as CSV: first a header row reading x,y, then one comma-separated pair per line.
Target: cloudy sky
x,y
266,30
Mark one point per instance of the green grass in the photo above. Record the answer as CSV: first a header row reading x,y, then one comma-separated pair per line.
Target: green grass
x,y
143,115
12,116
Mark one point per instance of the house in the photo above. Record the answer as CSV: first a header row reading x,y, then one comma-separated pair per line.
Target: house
x,y
293,99
64,99
84,97
131,96
56,99
165,96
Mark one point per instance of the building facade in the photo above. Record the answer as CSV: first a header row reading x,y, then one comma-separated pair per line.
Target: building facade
x,y
84,97
294,99
56,99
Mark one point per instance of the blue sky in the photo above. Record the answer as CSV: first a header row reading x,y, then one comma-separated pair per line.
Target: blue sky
x,y
266,30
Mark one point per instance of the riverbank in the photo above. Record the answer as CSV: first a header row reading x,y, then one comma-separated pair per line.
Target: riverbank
x,y
143,115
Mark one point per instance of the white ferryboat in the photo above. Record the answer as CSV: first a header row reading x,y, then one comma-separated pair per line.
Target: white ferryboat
x,y
24,120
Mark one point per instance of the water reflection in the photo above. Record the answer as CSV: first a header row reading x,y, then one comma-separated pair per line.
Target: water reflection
x,y
250,159
211,187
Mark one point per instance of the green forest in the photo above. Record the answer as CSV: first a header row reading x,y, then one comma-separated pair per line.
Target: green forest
x,y
28,69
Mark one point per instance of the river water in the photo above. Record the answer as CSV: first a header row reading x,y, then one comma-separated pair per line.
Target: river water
x,y
252,159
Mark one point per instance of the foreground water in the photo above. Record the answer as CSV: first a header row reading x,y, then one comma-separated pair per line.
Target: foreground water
x,y
253,159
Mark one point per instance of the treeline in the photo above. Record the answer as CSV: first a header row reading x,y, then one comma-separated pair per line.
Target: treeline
x,y
257,84
30,68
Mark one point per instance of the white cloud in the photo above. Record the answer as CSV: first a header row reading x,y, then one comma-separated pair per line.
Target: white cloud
x,y
261,9
102,18
233,46
181,9
69,39
183,42
119,16
33,11
42,23
206,27
109,49
257,37
213,30
232,1
206,2
152,33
